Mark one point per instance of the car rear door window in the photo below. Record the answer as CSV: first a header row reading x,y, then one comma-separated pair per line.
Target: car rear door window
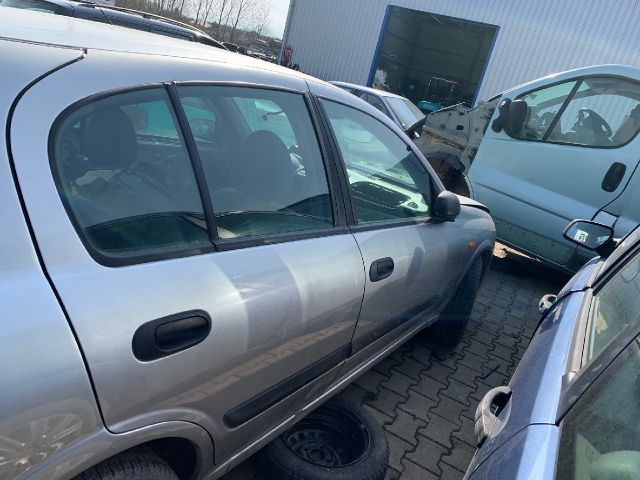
x,y
388,181
124,175
266,175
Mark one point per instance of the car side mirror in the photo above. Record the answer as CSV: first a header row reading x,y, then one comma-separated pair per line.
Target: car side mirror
x,y
590,235
511,116
447,206
503,113
517,115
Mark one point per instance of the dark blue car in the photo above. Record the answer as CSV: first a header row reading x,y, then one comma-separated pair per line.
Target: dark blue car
x,y
572,409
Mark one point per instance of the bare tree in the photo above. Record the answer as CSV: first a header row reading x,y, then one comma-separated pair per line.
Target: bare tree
x,y
248,14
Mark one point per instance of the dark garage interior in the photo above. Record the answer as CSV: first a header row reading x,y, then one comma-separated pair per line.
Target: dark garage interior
x,y
432,57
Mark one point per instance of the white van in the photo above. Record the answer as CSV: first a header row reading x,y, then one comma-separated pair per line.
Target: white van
x,y
547,152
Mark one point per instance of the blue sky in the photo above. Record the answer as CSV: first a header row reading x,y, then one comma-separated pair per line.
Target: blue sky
x,y
278,17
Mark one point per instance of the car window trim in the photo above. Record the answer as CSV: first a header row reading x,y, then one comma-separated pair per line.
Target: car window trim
x,y
561,110
436,186
341,181
167,253
578,80
330,166
194,157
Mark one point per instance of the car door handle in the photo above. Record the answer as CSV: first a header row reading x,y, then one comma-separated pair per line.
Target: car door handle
x,y
381,268
613,177
490,406
168,335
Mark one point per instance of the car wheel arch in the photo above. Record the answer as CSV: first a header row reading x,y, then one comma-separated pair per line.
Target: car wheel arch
x,y
159,438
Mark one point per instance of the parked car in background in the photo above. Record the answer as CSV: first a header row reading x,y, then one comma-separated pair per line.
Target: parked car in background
x,y
199,249
398,108
572,408
562,147
122,17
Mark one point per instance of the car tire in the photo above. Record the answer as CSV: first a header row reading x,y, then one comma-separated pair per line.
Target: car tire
x,y
450,327
130,466
338,441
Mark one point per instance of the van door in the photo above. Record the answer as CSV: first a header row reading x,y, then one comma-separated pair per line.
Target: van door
x,y
205,268
573,154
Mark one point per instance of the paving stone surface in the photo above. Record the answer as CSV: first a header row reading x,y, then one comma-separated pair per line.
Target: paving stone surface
x,y
426,395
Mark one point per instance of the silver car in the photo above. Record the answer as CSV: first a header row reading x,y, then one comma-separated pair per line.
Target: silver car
x,y
398,108
199,249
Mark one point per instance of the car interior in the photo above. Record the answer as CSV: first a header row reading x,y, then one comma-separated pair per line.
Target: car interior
x,y
602,112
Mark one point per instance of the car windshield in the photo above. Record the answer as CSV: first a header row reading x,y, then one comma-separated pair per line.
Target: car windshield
x,y
407,112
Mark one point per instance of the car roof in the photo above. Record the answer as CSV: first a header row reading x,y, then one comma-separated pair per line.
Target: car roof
x,y
60,30
152,20
374,91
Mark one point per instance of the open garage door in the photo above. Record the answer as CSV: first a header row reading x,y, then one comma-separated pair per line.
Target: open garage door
x,y
431,58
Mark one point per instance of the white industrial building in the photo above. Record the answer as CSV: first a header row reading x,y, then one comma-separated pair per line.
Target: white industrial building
x,y
448,51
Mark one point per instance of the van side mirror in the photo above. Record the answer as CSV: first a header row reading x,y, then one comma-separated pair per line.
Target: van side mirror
x,y
447,206
590,235
511,116
517,115
503,113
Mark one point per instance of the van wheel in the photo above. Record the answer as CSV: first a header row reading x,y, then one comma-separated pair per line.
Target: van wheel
x,y
338,441
450,327
130,466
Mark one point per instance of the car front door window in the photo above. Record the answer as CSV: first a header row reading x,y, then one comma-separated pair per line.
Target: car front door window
x,y
603,112
542,108
388,181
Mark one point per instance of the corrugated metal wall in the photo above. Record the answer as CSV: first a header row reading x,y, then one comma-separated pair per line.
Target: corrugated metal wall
x,y
337,39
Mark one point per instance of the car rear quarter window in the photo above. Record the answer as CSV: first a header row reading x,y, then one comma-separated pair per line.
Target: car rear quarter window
x,y
125,177
262,162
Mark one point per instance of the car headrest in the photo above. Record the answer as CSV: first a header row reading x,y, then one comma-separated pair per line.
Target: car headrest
x,y
110,139
263,167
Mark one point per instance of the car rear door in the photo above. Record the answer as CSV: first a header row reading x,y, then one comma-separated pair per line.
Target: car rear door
x,y
573,155
199,289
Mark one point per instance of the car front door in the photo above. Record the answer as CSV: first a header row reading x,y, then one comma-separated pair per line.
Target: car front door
x,y
208,279
411,262
573,155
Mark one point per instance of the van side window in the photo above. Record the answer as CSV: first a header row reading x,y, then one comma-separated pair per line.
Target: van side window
x,y
388,181
126,179
266,174
592,111
542,108
604,112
